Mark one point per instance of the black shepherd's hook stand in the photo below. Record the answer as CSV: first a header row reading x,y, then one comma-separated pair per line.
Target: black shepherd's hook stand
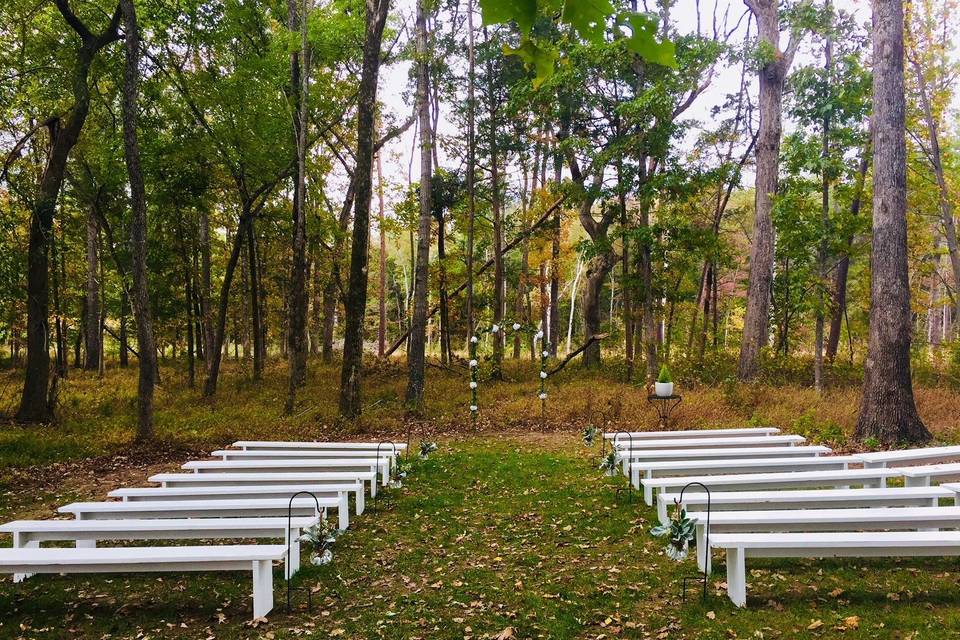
x,y
706,544
628,461
393,461
287,566
423,431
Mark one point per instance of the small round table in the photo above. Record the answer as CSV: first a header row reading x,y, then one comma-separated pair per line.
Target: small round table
x,y
664,406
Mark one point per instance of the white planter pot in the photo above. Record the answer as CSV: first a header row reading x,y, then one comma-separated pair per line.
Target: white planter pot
x,y
610,473
663,389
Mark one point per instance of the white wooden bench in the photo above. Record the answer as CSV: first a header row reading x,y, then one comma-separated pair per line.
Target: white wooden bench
x,y
884,544
652,470
695,499
267,445
264,479
319,454
31,533
923,475
257,558
786,480
202,492
800,451
264,507
710,443
299,465
902,457
797,520
693,433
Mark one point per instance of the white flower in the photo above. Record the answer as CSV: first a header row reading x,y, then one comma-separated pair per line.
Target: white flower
x,y
474,340
325,558
473,407
495,328
473,384
516,326
543,375
473,363
546,354
543,396
539,335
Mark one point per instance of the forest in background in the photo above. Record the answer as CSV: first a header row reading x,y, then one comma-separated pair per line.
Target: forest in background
x,y
198,181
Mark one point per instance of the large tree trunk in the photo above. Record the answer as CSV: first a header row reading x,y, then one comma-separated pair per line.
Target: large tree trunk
x,y
382,294
772,75
34,407
497,206
554,337
823,248
888,411
206,290
350,377
597,270
92,301
138,226
418,334
256,316
471,165
297,301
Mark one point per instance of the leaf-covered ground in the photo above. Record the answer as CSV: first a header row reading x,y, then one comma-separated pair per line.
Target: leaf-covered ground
x,y
499,537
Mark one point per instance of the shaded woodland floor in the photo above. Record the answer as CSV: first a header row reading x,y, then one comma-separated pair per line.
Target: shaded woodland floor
x,y
508,529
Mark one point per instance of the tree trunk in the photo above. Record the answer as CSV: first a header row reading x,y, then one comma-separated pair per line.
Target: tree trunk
x,y
206,289
350,377
888,411
496,205
772,75
34,407
823,248
297,299
418,335
256,317
596,272
471,165
124,345
382,294
138,225
92,300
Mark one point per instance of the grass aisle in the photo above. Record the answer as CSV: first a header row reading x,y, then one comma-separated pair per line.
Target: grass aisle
x,y
504,537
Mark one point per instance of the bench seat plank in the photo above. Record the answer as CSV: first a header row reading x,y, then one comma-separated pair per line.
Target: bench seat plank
x,y
264,479
298,465
385,447
257,558
694,433
203,492
900,457
705,443
923,475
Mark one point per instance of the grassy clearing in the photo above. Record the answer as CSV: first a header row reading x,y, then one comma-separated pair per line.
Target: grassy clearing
x,y
511,531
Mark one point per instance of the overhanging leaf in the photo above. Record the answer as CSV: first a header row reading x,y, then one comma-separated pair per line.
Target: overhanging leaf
x,y
588,17
542,59
523,12
643,40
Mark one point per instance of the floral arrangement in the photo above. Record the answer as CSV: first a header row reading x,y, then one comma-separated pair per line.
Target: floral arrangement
x,y
589,434
681,530
609,463
401,467
320,537
426,448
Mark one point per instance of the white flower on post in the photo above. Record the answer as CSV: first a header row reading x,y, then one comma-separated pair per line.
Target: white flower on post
x,y
495,329
543,375
539,335
474,339
473,363
473,385
473,407
516,326
543,396
546,354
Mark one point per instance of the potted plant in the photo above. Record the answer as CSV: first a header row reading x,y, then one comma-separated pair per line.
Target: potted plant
x,y
663,387
681,530
426,448
401,468
320,537
609,464
589,434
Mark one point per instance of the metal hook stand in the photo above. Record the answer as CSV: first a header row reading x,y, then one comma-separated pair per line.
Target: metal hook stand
x,y
376,496
423,431
614,449
706,544
287,571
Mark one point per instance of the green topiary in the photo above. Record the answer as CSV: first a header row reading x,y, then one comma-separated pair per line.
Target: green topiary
x,y
664,374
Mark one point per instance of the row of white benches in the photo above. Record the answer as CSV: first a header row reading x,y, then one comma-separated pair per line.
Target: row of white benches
x,y
244,495
764,504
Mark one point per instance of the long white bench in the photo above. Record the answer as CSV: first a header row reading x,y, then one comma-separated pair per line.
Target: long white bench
x,y
31,533
299,465
372,447
923,475
201,492
800,451
319,454
264,507
693,433
884,544
695,499
710,443
264,479
787,480
901,457
257,558
797,520
651,470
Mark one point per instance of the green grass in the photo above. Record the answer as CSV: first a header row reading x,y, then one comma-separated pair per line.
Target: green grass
x,y
503,531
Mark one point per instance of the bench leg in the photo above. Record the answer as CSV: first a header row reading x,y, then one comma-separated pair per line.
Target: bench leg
x,y
648,491
923,481
262,588
737,577
359,501
21,541
373,487
635,478
343,512
701,550
384,475
86,544
662,510
292,563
